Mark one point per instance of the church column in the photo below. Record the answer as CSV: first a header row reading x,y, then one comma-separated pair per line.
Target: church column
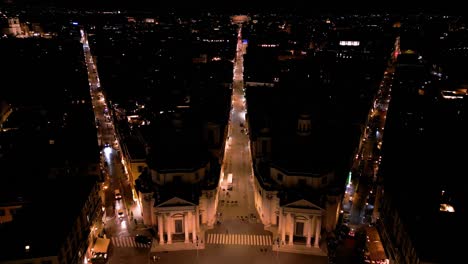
x,y
283,227
197,219
194,226
290,228
169,229
317,230
154,217
314,224
161,229
279,223
186,227
309,227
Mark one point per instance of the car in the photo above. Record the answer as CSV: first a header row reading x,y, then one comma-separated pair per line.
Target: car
x,y
120,213
143,239
117,194
346,218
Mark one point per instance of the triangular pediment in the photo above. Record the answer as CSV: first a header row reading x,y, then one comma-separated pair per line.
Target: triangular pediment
x,y
303,204
175,201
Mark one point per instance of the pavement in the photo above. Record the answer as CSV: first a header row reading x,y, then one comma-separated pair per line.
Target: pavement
x,y
297,248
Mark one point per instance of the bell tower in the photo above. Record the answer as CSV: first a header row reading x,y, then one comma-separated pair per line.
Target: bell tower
x,y
14,26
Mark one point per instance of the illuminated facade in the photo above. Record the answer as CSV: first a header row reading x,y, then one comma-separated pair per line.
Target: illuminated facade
x,y
181,210
296,205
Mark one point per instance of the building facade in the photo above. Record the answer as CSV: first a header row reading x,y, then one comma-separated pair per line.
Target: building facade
x,y
178,204
296,205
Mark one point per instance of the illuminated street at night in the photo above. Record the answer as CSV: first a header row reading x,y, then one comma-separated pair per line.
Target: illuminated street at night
x,y
138,133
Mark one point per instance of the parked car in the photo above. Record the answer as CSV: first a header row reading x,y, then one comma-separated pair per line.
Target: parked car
x,y
117,194
143,239
120,212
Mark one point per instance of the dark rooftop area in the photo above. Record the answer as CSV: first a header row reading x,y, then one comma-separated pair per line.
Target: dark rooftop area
x,y
177,142
424,160
53,220
54,124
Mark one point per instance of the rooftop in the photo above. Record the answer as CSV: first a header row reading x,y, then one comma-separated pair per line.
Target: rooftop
x,y
135,147
56,117
419,191
177,142
47,238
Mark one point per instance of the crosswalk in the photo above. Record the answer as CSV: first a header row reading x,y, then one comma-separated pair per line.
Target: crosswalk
x,y
240,239
127,242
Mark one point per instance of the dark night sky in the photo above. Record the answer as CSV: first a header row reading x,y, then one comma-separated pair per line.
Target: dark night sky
x,y
314,6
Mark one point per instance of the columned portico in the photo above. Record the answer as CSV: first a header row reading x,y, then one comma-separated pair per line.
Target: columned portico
x,y
176,219
301,221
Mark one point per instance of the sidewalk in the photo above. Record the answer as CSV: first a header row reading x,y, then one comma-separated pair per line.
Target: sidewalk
x,y
301,249
180,245
135,217
297,248
176,246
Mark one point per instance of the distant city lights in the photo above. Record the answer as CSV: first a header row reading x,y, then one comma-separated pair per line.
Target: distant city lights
x,y
349,43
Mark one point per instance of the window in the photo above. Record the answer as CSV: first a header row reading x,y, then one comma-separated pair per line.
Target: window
x,y
177,179
324,180
279,177
264,147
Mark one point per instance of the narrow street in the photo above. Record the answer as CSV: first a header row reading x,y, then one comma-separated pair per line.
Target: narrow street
x,y
236,201
368,158
116,177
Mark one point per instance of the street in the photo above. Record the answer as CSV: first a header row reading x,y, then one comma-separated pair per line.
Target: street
x,y
236,254
236,201
121,229
368,158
